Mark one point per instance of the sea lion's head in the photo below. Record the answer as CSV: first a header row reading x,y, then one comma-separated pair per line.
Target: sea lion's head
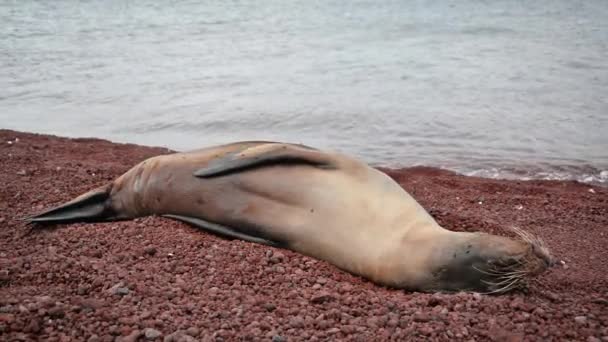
x,y
490,263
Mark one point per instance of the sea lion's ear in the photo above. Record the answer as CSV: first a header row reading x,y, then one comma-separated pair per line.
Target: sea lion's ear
x,y
266,155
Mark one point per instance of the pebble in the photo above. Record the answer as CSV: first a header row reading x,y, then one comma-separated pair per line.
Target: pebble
x,y
132,337
333,331
269,306
56,312
321,297
150,250
119,289
33,326
7,318
178,336
192,331
151,333
277,257
94,338
580,319
296,322
321,280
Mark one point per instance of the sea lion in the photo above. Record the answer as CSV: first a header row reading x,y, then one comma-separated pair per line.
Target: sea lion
x,y
326,205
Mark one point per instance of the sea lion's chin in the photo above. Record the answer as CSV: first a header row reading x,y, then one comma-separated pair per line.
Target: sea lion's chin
x,y
490,264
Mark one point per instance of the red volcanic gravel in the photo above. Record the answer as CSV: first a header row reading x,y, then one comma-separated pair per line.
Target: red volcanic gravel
x,y
157,279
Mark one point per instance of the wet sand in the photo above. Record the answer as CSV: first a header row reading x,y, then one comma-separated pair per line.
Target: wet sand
x,y
154,278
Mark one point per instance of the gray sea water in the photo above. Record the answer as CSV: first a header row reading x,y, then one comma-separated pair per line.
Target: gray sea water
x,y
491,88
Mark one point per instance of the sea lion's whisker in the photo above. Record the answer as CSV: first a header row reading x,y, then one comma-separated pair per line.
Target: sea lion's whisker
x,y
507,280
486,272
506,288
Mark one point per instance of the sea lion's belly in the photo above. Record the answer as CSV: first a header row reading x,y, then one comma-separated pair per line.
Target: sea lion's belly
x,y
349,219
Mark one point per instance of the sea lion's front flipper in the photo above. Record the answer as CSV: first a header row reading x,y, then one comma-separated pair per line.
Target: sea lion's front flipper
x,y
266,155
220,229
92,206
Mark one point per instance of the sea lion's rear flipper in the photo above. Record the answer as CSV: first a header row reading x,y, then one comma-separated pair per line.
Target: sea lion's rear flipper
x,y
266,155
221,230
92,206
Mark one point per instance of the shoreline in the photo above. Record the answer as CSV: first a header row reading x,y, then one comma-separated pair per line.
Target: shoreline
x,y
584,174
112,281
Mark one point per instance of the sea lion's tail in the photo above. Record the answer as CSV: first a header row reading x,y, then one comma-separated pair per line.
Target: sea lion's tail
x,y
92,206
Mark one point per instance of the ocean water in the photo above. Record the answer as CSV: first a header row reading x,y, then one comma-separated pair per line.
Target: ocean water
x,y
491,88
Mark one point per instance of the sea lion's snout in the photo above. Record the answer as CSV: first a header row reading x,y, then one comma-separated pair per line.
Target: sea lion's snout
x,y
490,263
511,262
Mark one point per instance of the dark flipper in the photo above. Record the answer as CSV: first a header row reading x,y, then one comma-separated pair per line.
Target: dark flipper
x,y
92,206
221,230
266,155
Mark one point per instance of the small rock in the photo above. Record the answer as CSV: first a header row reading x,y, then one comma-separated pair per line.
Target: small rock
x,y
56,312
296,322
580,319
420,317
94,338
119,289
192,331
593,339
89,304
33,326
321,297
539,312
152,334
269,306
132,337
333,331
21,173
82,290
150,250
278,338
277,257
552,296
7,318
345,288
373,322
425,329
145,314
601,301
176,336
